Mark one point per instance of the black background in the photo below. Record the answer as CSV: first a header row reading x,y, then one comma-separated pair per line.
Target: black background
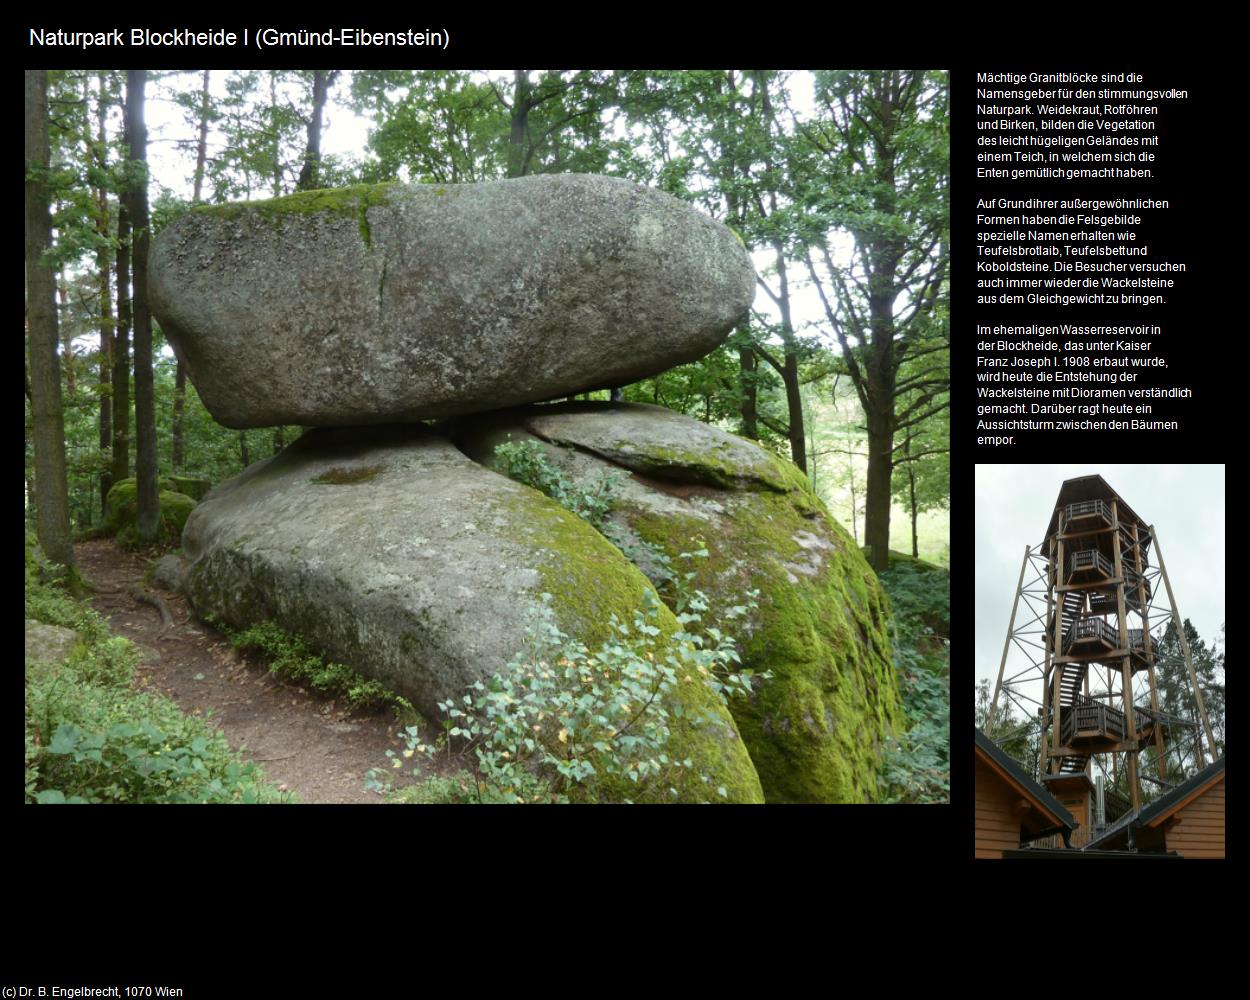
x,y
835,874
1193,339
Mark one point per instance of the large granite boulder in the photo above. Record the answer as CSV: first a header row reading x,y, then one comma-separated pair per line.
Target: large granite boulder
x,y
393,303
395,554
816,730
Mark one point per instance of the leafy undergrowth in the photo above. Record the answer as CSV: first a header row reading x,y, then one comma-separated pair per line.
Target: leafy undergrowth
x,y
565,723
91,737
569,724
917,767
295,661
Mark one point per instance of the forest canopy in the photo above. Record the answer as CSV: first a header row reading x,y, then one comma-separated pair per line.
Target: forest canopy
x,y
835,181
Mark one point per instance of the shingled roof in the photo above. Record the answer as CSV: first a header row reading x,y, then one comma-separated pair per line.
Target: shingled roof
x,y
1046,803
1162,807
1090,488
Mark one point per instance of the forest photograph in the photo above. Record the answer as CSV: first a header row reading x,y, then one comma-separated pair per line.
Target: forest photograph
x,y
487,437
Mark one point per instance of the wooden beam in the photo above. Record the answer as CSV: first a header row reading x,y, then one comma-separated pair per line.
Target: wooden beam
x,y
1066,751
1180,631
1068,535
1106,582
1126,666
1147,648
1002,664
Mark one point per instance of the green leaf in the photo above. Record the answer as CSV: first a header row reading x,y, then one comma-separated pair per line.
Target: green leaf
x,y
65,739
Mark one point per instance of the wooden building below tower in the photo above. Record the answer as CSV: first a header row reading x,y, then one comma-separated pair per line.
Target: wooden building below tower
x,y
1188,820
1011,808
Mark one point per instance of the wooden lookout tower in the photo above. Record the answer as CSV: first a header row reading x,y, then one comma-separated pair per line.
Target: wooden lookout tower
x,y
1089,632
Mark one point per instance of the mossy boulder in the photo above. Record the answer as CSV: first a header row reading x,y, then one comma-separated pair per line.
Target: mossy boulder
x,y
391,552
49,643
374,304
816,729
187,486
122,508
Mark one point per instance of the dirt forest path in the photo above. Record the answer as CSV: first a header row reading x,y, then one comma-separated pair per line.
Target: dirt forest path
x,y
307,743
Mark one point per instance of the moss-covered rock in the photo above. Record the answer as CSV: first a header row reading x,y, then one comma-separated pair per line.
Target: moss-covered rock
x,y
816,729
49,643
661,443
122,508
187,486
389,551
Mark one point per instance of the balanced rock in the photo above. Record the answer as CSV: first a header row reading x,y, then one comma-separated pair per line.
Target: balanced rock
x,y
393,553
817,728
394,303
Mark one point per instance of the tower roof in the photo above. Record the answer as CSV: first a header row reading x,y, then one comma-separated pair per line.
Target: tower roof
x,y
1090,488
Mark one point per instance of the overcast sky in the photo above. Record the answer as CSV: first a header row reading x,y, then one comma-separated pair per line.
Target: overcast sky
x,y
1014,503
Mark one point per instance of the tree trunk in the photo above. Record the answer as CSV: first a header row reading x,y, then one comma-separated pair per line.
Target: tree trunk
x,y
308,175
147,521
790,371
279,440
518,137
51,486
244,456
877,501
749,366
850,462
794,403
107,333
121,352
276,176
911,496
201,147
881,363
178,458
67,344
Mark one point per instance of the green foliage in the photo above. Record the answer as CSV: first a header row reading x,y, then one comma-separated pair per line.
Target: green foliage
x,y
527,462
920,596
293,660
52,605
917,767
1018,738
567,723
462,788
122,511
89,737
